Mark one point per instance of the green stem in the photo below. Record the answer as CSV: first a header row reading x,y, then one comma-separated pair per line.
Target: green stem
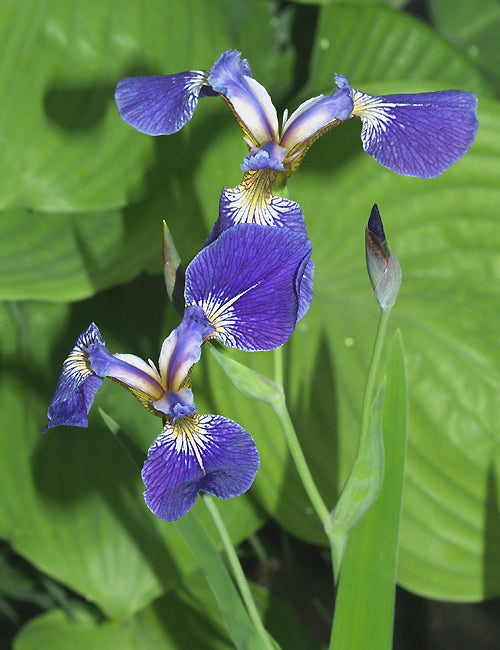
x,y
372,371
294,446
338,545
237,571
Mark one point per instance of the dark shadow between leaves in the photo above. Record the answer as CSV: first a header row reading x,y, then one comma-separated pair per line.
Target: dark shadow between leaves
x,y
491,566
185,623
79,108
76,109
167,190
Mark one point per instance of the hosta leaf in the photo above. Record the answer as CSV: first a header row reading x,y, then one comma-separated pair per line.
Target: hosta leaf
x,y
72,500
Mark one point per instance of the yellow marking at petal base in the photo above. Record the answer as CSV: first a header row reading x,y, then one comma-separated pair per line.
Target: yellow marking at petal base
x,y
143,398
252,198
187,428
215,311
77,363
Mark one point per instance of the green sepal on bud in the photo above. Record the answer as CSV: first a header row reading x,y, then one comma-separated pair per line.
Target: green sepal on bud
x,y
173,271
383,266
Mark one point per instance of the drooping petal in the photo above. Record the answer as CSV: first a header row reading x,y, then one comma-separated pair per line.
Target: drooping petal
x,y
77,384
252,202
182,349
417,135
200,452
249,100
161,104
246,283
314,117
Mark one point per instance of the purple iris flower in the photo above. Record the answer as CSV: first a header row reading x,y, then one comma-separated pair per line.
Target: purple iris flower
x,y
246,290
415,135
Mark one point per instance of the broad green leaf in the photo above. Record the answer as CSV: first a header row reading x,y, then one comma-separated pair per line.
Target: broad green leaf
x,y
374,43
183,619
82,194
445,233
474,28
390,3
67,149
446,236
72,500
370,562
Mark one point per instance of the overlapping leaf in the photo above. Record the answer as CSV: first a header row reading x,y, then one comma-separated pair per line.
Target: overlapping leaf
x,y
72,500
185,618
446,235
81,193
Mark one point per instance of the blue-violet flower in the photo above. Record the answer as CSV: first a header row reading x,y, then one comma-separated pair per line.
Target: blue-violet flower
x,y
245,290
415,134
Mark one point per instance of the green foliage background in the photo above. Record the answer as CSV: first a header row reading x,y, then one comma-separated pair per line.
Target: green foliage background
x,y
82,196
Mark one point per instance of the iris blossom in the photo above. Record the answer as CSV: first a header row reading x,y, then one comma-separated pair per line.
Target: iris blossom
x,y
244,290
415,135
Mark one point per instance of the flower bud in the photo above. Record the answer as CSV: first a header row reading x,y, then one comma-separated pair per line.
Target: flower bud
x,y
173,271
383,266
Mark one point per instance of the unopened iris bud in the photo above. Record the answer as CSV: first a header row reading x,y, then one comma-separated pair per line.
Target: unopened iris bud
x,y
173,271
383,266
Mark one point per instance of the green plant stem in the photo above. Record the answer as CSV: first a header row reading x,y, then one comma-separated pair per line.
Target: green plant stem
x,y
338,546
237,571
294,446
372,371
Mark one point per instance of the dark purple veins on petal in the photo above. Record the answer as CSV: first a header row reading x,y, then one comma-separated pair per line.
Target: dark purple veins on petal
x,y
247,284
200,452
417,135
161,104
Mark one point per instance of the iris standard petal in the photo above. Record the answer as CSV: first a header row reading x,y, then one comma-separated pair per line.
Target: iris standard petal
x,y
200,452
314,117
252,202
417,135
161,104
182,349
249,100
245,282
77,384
130,371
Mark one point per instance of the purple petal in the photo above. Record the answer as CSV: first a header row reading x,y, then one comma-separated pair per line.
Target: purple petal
x,y
252,202
162,104
314,116
304,284
269,156
200,452
250,101
246,283
182,349
375,225
131,371
417,135
176,404
77,384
